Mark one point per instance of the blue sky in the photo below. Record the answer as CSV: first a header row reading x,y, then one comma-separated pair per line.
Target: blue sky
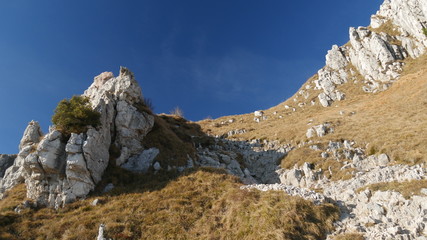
x,y
209,57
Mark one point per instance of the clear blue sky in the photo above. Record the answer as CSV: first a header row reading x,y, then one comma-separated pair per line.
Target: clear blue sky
x,y
210,57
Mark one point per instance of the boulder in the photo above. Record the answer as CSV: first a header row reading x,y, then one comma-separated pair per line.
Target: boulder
x,y
258,113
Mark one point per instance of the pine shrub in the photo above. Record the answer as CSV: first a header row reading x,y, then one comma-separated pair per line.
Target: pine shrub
x,y
75,115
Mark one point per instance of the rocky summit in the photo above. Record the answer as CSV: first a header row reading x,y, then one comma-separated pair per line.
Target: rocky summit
x,y
344,158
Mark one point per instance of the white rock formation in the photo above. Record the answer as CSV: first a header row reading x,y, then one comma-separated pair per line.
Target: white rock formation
x,y
15,174
59,169
376,56
320,130
142,162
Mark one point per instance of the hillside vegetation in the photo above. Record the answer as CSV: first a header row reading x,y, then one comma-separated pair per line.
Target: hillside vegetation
x,y
201,204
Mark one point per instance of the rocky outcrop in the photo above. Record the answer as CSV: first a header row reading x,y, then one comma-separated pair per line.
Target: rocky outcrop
x,y
58,169
320,130
141,163
376,53
254,162
16,174
117,100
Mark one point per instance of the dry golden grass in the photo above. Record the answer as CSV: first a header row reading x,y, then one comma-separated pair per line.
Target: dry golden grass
x,y
407,188
175,137
387,27
203,204
393,121
350,236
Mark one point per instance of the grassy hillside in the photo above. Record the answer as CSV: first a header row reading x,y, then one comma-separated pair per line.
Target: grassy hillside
x,y
202,204
392,122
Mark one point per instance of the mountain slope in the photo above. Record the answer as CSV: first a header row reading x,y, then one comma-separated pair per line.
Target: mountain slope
x,y
334,161
391,121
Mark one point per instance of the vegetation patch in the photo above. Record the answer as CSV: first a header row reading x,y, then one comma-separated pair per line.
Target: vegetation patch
x,y
176,138
407,188
388,27
201,204
75,115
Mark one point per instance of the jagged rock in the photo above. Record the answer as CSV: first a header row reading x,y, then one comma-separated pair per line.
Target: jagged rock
x,y
324,99
305,176
16,174
6,160
335,58
116,99
59,169
142,162
258,113
32,135
320,130
310,133
376,56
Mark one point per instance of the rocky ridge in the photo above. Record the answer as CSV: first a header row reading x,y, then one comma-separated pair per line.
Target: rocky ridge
x,y
375,53
58,169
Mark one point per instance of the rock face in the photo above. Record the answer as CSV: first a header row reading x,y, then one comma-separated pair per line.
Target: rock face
x,y
58,169
16,174
377,56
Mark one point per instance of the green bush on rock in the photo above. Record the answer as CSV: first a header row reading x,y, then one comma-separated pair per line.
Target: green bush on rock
x,y
75,115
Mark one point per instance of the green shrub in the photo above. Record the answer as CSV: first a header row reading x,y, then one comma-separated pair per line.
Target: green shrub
x,y
425,31
75,115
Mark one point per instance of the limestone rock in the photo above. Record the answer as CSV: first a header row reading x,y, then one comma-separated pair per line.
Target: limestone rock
x,y
320,130
258,113
32,135
142,162
59,169
305,177
116,99
16,174
335,58
375,55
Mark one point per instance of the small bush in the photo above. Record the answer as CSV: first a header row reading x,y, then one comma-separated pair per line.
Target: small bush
x,y
425,31
74,115
177,111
